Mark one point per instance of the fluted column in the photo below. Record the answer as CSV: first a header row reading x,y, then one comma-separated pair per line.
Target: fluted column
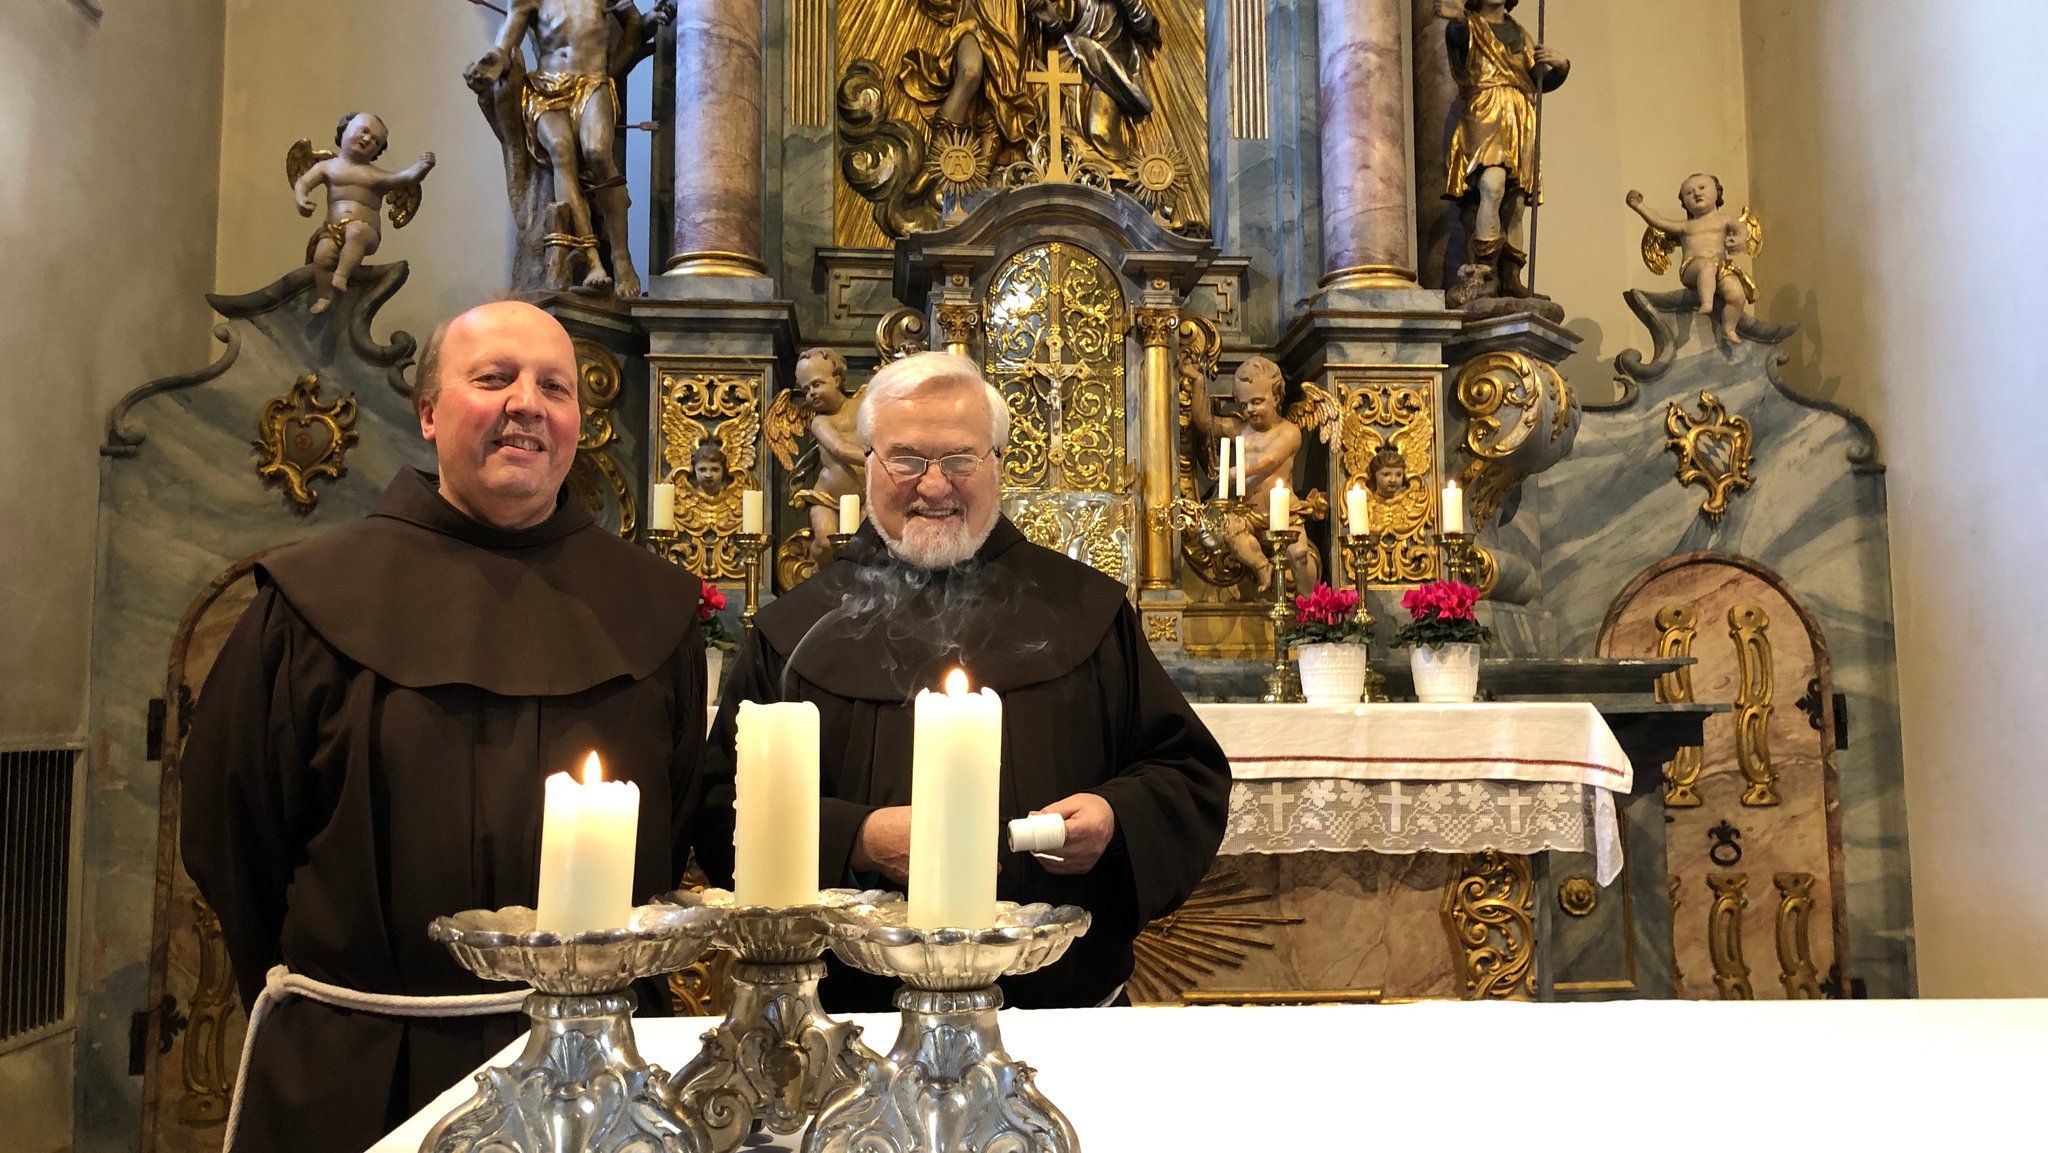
x,y
1367,216
718,139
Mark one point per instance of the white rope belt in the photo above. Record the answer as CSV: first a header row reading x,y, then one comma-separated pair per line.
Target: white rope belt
x,y
281,983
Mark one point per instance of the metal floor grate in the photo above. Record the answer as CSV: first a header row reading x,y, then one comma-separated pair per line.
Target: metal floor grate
x,y
35,887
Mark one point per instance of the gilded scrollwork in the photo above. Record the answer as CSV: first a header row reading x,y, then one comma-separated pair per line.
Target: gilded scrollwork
x,y
1510,401
704,988
1677,626
1162,627
718,412
958,324
794,563
1392,420
596,479
1724,935
1749,627
209,1074
302,439
1713,451
1216,929
1093,530
1487,913
1795,953
1202,547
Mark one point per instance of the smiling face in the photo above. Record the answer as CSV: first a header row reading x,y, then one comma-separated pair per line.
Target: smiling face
x,y
363,140
504,420
934,520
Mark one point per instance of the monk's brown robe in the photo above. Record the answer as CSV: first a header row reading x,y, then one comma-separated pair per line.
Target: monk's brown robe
x,y
368,755
1086,708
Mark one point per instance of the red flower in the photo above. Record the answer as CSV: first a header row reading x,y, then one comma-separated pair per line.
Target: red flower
x,y
1441,600
1326,606
710,601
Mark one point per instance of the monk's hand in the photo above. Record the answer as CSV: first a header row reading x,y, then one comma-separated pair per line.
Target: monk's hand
x,y
1090,825
883,845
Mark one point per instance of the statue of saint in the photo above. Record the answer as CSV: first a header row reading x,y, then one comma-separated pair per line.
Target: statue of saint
x,y
1709,240
1492,162
835,465
356,188
564,114
1271,444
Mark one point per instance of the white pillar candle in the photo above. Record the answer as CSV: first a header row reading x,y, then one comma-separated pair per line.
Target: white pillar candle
x,y
588,832
662,516
1243,469
1277,507
1223,466
775,805
849,512
750,511
955,777
1454,508
1356,516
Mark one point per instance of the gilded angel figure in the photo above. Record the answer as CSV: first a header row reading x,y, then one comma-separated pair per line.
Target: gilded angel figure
x,y
835,465
1272,440
356,189
1708,240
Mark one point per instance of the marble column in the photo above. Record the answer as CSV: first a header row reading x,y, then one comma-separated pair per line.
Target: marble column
x,y
1367,217
1439,236
718,121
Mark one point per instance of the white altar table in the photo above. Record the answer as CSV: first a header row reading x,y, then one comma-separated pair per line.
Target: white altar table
x,y
1520,777
1672,1075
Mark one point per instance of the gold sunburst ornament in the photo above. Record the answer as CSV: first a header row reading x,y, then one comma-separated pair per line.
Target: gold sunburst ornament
x,y
1159,179
958,162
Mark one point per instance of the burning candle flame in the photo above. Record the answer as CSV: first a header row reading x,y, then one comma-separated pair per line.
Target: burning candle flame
x,y
956,683
593,770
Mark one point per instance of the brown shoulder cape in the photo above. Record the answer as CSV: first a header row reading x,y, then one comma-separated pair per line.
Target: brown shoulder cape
x,y
870,627
425,596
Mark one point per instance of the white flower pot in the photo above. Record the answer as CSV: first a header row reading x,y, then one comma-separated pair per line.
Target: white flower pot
x,y
1332,674
714,667
1449,675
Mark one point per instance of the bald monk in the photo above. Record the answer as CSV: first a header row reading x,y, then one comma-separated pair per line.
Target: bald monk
x,y
369,750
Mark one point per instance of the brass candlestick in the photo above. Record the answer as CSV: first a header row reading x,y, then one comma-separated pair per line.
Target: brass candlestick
x,y
662,541
1460,563
751,546
1280,678
1359,546
839,542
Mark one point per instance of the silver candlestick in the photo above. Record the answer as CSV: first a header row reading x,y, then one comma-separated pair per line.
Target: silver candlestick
x,y
580,1084
776,1057
947,1084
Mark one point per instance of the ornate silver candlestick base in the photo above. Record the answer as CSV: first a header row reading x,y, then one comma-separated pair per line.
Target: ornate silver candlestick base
x,y
947,1086
580,1085
776,1057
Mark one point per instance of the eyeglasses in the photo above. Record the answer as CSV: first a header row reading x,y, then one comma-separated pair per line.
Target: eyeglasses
x,y
958,466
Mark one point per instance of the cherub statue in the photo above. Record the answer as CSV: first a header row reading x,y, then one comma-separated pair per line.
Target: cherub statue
x,y
1492,169
718,464
1387,474
710,473
1709,240
1272,442
355,191
834,465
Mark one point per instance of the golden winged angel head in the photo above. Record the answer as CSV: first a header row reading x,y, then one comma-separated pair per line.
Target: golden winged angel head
x,y
1387,473
709,470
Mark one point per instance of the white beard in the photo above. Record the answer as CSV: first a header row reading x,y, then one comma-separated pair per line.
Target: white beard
x,y
933,544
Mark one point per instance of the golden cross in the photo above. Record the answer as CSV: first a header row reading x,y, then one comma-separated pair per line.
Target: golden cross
x,y
1055,78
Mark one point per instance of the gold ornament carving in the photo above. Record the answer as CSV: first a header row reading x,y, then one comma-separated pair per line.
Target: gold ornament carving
x,y
209,1073
793,562
1215,929
702,989
1055,350
692,407
1678,625
1162,627
1713,451
1487,915
1795,954
1522,386
302,439
596,479
1201,545
1747,625
1155,326
1096,532
1379,412
1577,896
900,333
958,324
1724,936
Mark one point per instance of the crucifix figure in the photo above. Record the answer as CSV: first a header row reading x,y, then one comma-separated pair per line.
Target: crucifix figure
x,y
1055,76
1056,376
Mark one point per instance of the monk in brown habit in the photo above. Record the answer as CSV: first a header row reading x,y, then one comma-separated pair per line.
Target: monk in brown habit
x,y
368,753
1092,728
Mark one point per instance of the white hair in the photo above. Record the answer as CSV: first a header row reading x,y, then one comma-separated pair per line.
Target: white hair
x,y
899,380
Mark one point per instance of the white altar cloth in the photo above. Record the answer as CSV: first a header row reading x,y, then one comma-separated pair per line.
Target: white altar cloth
x,y
1407,778
1795,1076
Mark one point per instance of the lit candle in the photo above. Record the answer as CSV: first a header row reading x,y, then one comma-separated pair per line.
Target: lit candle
x,y
955,775
1223,467
1277,507
663,516
849,512
1356,516
775,805
587,835
1243,468
750,511
1454,508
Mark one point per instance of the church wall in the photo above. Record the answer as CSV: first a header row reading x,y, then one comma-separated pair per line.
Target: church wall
x,y
107,207
1881,128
